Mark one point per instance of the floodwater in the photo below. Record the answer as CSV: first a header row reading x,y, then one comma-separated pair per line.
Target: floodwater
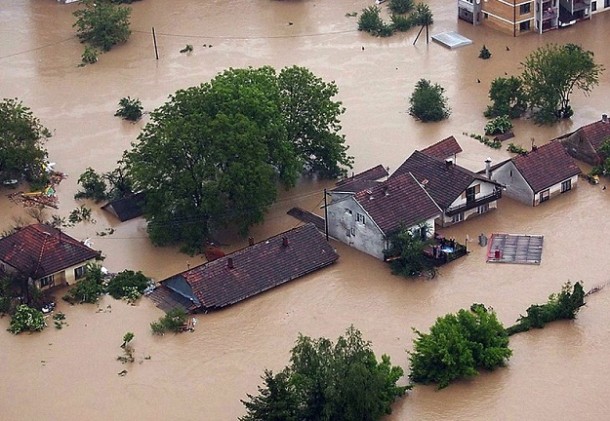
x,y
556,373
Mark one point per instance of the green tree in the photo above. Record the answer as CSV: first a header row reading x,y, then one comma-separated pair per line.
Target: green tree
x,y
89,289
22,138
406,254
498,125
370,21
123,284
173,321
423,15
26,319
129,109
457,346
508,98
94,186
401,6
550,75
428,102
230,143
327,381
102,24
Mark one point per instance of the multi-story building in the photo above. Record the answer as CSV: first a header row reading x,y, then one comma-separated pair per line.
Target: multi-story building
x,y
516,17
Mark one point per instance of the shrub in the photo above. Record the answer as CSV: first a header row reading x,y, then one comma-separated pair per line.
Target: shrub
x,y
402,23
484,53
516,149
102,24
370,20
124,284
89,289
93,184
26,319
129,109
428,102
401,6
498,125
89,56
187,49
173,321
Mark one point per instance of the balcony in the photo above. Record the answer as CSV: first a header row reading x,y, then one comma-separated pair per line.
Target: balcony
x,y
578,5
497,194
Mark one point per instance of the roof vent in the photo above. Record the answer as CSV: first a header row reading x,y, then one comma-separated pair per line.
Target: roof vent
x,y
424,182
604,118
386,191
449,162
230,264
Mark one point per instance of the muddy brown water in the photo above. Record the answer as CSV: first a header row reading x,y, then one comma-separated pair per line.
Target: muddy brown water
x,y
555,373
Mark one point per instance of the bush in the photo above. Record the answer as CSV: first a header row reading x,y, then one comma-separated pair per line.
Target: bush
x,y
94,186
129,109
484,53
498,125
508,98
89,56
128,283
26,319
370,20
428,102
401,6
516,149
87,290
457,346
173,321
102,24
422,15
402,23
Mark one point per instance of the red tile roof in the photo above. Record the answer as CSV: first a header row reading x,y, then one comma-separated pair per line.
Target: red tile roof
x,y
40,250
259,267
398,201
545,166
446,148
361,181
444,182
596,133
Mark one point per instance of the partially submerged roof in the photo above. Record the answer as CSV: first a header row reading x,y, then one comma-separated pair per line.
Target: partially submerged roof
x,y
257,268
40,250
399,201
361,181
443,180
546,165
443,149
596,133
127,208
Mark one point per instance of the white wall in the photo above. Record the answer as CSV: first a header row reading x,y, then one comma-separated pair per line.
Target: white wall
x,y
516,186
555,190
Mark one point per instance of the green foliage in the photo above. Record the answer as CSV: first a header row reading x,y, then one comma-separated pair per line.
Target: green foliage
x,y
26,319
498,125
102,24
327,381
5,293
407,254
422,15
508,98
89,289
129,109
550,75
428,102
562,306
128,350
231,141
516,149
401,6
484,53
173,321
604,167
402,23
128,337
59,320
370,20
94,186
89,56
122,285
80,214
495,144
22,153
457,346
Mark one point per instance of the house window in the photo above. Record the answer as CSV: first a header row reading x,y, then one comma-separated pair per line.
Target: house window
x,y
566,186
47,281
483,208
348,211
606,3
524,9
353,231
524,26
360,218
79,272
458,217
593,6
544,196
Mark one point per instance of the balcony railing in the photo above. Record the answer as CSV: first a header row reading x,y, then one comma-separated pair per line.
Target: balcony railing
x,y
497,194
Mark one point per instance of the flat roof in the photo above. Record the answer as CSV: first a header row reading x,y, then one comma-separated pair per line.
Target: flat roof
x,y
451,39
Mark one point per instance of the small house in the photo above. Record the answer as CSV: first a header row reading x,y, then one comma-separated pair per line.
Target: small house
x,y
358,182
585,143
246,272
46,255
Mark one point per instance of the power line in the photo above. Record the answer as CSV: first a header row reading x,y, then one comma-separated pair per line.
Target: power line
x,y
38,48
230,37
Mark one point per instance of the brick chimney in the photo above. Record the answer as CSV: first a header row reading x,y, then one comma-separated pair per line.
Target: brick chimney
x,y
488,168
230,264
604,118
448,162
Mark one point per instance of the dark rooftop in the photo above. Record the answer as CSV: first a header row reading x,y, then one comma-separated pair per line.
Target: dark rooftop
x,y
126,208
546,165
257,268
361,181
443,149
40,250
596,133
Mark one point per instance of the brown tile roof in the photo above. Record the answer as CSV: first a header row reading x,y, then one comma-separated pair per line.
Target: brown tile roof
x,y
444,149
39,250
401,200
361,181
546,165
596,133
443,182
259,267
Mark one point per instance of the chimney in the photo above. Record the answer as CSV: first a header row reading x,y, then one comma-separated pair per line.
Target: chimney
x,y
250,241
448,162
285,242
604,118
488,168
230,263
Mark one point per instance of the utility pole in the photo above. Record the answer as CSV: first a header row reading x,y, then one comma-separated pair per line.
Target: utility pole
x,y
155,42
325,215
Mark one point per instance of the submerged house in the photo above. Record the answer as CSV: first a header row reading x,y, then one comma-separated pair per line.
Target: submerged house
x,y
246,272
47,256
366,219
127,208
457,191
538,175
585,143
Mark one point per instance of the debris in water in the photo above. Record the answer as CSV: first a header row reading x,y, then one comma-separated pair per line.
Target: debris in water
x,y
122,373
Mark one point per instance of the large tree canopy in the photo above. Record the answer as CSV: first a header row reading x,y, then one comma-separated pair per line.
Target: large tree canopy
x,y
22,136
326,381
102,24
550,75
213,154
